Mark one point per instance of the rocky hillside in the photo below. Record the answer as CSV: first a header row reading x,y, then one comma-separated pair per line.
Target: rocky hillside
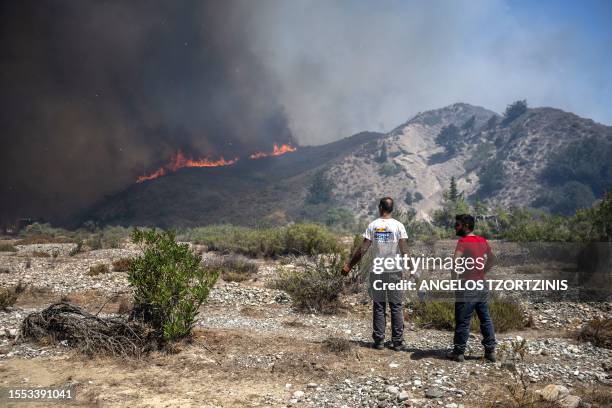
x,y
502,160
540,157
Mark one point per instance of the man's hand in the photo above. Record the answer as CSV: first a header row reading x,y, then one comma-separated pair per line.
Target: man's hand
x,y
346,269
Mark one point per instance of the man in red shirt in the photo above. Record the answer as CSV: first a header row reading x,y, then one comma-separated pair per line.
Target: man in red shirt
x,y
477,260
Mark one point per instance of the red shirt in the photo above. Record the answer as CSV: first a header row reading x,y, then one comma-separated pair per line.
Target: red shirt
x,y
477,248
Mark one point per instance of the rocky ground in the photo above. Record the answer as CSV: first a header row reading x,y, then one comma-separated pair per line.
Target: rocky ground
x,y
251,348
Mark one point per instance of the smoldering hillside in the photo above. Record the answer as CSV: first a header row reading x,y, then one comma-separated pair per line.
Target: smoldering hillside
x,y
96,92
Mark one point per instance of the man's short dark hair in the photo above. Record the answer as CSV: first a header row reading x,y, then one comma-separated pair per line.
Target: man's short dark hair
x,y
466,220
386,204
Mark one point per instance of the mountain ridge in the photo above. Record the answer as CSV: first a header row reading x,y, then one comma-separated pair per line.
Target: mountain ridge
x,y
492,158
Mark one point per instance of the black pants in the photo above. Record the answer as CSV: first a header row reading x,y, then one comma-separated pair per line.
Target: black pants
x,y
464,309
379,321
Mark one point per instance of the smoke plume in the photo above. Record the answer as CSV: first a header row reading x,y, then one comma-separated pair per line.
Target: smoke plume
x,y
96,93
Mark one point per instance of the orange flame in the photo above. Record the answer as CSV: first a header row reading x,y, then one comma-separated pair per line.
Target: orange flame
x,y
179,161
278,150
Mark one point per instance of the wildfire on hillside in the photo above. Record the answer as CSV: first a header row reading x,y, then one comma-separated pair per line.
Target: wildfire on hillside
x,y
278,150
179,160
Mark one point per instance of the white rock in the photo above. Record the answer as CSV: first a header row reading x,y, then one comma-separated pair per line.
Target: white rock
x,y
298,394
392,390
403,396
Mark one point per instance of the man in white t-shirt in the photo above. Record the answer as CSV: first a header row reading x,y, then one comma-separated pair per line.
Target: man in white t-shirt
x,y
389,239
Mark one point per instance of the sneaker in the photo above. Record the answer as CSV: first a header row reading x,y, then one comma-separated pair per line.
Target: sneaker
x,y
378,345
490,356
451,355
400,347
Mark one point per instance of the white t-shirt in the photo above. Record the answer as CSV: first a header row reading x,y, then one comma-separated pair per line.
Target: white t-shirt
x,y
385,234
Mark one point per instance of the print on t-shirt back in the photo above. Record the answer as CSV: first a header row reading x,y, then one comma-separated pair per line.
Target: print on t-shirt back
x,y
382,236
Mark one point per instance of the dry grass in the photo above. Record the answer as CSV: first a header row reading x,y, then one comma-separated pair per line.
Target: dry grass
x,y
125,306
122,264
44,239
8,296
506,315
598,332
337,345
233,268
40,254
98,269
4,247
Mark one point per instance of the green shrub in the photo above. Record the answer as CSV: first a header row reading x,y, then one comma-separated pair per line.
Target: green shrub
x,y
233,268
7,248
98,269
109,237
309,239
315,284
389,169
122,264
321,189
298,239
169,283
506,315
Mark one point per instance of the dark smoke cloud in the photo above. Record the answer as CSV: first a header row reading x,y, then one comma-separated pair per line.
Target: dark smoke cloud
x,y
95,93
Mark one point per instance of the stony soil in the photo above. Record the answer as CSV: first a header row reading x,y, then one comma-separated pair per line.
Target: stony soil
x,y
250,348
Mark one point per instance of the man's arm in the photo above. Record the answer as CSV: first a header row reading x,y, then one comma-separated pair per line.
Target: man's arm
x,y
359,253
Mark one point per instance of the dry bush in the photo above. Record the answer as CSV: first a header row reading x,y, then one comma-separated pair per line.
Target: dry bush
x,y
122,264
125,306
337,345
315,284
89,333
40,254
5,270
4,247
8,296
598,332
98,269
234,268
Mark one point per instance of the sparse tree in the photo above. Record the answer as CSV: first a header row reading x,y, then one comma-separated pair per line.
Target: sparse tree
x,y
383,155
320,190
445,217
453,193
449,138
469,124
515,110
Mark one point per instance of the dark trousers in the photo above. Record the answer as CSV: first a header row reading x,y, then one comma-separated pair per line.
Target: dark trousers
x,y
463,316
379,321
